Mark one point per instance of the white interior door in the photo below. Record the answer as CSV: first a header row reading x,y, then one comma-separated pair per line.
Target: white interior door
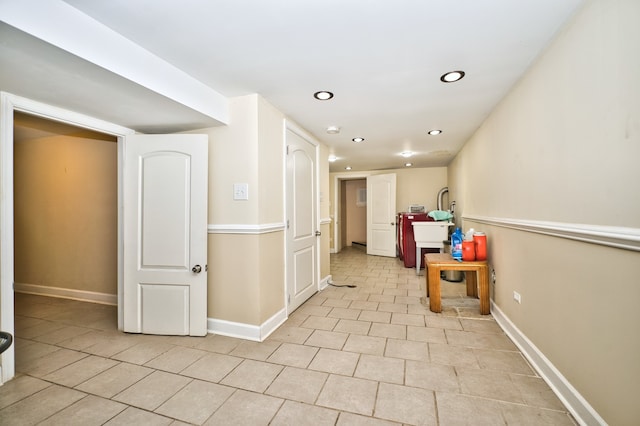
x,y
165,234
302,221
381,215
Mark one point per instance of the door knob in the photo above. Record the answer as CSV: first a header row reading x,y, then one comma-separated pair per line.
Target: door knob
x,y
318,233
196,269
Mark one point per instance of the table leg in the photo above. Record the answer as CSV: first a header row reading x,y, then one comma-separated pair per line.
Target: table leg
x,y
472,285
483,283
434,289
418,251
426,276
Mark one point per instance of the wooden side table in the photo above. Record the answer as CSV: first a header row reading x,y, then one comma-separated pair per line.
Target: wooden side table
x,y
477,282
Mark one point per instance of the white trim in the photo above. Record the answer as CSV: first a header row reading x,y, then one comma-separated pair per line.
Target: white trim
x,y
285,200
256,333
611,236
53,113
337,178
326,221
264,228
324,283
289,126
7,359
581,410
67,293
293,127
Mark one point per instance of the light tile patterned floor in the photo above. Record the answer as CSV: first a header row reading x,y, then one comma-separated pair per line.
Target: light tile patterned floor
x,y
371,355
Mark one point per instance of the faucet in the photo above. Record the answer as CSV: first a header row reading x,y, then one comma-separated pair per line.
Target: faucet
x,y
440,195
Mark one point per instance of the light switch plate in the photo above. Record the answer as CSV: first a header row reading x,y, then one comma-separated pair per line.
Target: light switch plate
x,y
240,191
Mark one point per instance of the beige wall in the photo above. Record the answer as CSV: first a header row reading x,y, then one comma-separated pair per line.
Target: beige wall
x,y
66,212
247,271
270,163
563,146
234,158
413,186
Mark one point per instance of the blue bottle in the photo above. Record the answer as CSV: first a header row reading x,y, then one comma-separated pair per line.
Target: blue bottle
x,y
456,244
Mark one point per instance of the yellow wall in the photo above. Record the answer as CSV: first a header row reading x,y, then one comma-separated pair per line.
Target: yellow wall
x,y
563,146
66,212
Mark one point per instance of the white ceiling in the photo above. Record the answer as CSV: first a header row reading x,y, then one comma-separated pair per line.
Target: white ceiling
x,y
382,60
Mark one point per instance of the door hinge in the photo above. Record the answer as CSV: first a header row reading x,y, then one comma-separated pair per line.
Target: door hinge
x,y
287,149
288,299
287,223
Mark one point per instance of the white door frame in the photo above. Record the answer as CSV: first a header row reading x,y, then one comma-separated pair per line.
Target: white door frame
x,y
337,207
290,126
8,104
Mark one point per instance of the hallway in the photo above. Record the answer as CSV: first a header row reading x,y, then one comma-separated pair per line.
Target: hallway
x,y
372,354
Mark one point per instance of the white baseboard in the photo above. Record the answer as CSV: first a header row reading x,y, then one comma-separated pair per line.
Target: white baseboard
x,y
324,283
570,397
67,293
256,333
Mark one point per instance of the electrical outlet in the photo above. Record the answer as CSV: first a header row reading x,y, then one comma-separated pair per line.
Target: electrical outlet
x,y
493,276
517,297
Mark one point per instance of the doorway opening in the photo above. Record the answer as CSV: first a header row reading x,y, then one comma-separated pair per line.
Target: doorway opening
x,y
65,211
353,214
9,106
340,227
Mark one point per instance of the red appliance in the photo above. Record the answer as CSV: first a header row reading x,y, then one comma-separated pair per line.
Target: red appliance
x,y
406,242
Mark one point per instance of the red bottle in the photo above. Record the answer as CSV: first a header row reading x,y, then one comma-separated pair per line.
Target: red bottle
x,y
480,240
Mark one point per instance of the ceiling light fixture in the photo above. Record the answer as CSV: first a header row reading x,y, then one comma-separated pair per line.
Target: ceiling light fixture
x,y
323,95
358,139
348,168
406,154
452,76
332,158
435,132
333,130
408,164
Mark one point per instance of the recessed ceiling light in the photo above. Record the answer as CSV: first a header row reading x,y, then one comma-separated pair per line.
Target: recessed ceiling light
x,y
452,76
333,130
332,158
323,95
408,164
358,139
406,154
435,132
348,168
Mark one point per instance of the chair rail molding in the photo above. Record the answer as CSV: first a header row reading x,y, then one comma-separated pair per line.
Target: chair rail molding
x,y
611,236
264,228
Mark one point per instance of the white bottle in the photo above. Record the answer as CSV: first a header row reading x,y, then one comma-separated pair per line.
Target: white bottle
x,y
469,235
